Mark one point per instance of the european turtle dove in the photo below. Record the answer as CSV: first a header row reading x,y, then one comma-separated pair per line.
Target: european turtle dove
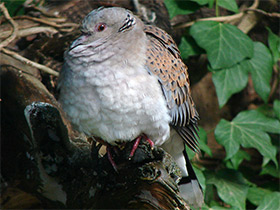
x,y
122,79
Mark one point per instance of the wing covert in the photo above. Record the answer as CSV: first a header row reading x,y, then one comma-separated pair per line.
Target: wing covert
x,y
164,61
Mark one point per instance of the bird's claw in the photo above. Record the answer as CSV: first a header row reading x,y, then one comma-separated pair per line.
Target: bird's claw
x,y
136,144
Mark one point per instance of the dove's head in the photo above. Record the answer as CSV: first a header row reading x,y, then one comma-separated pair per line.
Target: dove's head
x,y
107,25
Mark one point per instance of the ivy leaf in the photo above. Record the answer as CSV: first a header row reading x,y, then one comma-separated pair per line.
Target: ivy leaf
x,y
237,159
205,207
248,129
271,170
270,201
231,187
265,161
14,7
176,7
201,2
188,47
233,79
256,194
227,135
203,141
255,120
225,44
276,108
274,45
211,3
229,5
190,152
267,110
260,66
200,177
229,81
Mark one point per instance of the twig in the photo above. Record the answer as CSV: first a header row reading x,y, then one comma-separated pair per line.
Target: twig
x,y
218,19
13,23
44,12
255,4
44,21
57,20
273,14
30,63
30,31
217,8
250,19
228,18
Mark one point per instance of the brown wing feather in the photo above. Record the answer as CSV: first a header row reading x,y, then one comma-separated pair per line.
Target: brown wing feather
x,y
164,61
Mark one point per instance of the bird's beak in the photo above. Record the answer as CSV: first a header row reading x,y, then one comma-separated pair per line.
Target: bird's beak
x,y
79,41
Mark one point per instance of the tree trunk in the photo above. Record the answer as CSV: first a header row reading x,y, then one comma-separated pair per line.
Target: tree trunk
x,y
43,168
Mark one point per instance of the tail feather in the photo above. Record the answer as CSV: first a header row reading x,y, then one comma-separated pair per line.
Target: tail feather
x,y
192,193
189,186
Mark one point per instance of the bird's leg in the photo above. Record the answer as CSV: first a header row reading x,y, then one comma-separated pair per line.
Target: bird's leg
x,y
152,144
110,158
136,144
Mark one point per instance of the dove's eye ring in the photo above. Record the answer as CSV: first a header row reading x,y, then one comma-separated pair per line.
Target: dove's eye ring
x,y
100,27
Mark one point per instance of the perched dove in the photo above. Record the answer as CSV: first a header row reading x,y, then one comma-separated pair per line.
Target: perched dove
x,y
122,79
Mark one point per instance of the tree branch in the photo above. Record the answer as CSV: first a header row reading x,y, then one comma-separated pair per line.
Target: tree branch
x,y
65,27
30,31
227,19
39,159
13,23
30,63
273,14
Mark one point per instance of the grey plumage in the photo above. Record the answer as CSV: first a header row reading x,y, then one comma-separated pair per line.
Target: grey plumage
x,y
122,78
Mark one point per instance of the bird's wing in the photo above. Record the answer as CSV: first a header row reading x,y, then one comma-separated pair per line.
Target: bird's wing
x,y
164,61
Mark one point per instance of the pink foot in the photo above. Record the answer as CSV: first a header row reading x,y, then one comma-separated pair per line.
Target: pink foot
x,y
152,144
108,149
136,144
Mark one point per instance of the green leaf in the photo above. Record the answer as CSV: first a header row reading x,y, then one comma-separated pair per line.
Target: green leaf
x,y
200,177
190,152
260,140
229,81
225,44
231,187
188,47
14,7
265,161
276,108
229,5
177,7
260,66
201,2
237,159
256,120
203,141
248,129
233,79
270,169
227,135
205,207
270,201
256,194
274,45
267,110
211,3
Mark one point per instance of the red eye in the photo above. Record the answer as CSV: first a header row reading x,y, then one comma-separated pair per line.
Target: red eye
x,y
100,27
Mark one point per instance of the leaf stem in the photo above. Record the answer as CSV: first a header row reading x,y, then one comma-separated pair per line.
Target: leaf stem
x,y
217,8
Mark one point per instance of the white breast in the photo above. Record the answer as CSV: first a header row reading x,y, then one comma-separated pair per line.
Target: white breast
x,y
116,103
